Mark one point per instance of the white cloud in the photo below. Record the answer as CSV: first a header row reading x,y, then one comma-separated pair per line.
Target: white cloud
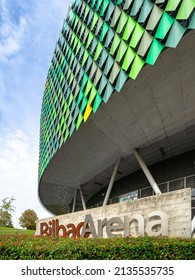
x,y
28,33
11,34
18,176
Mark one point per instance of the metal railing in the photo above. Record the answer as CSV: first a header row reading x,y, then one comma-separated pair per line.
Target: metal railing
x,y
172,185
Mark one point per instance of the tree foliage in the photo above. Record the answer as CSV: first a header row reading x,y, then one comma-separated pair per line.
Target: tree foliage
x,y
5,212
28,219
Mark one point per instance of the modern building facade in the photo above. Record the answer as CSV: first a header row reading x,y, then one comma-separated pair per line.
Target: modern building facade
x,y
118,115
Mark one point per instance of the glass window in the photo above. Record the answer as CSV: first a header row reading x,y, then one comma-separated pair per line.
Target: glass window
x,y
129,196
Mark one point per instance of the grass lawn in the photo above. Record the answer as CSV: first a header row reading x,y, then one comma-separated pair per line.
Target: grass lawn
x,y
6,230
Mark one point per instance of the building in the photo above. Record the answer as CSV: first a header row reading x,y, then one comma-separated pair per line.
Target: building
x,y
118,118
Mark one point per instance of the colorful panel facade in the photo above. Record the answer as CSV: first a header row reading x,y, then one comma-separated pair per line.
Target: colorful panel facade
x,y
102,44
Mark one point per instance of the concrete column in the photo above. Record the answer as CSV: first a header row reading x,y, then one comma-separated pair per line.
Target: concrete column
x,y
82,199
74,201
111,182
146,172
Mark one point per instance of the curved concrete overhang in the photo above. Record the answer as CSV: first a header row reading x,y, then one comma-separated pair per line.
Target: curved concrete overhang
x,y
154,112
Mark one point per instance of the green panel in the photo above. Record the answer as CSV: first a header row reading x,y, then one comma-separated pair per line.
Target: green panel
x,y
81,51
104,30
69,121
85,57
83,104
164,26
146,9
109,64
79,121
192,22
93,70
89,39
99,26
160,1
104,6
115,43
129,28
98,50
76,112
94,45
77,3
127,4
89,63
77,90
78,67
114,72
115,17
92,3
76,22
102,84
108,92
136,36
97,102
154,51
78,46
82,30
172,5
185,10
136,6
97,76
109,37
83,8
122,22
121,50
72,128
92,94
121,79
87,9
81,73
98,4
109,11
137,65
103,58
154,18
86,33
88,87
95,19
70,99
71,16
175,35
75,42
66,135
90,15
84,81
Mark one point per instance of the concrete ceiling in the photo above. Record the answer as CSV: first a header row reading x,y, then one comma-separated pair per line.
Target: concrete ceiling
x,y
155,111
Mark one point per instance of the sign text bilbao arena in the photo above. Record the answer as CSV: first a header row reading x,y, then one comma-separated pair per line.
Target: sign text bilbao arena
x,y
154,224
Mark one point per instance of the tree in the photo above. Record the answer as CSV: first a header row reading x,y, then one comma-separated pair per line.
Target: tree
x,y
5,212
28,219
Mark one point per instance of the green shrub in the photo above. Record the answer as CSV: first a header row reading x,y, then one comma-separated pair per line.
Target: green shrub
x,y
21,247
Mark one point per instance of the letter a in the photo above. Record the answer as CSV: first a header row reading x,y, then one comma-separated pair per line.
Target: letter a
x,y
158,224
88,227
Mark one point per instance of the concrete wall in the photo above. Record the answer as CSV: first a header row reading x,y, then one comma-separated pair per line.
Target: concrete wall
x,y
173,217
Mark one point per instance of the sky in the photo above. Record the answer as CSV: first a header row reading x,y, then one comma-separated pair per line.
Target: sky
x,y
29,30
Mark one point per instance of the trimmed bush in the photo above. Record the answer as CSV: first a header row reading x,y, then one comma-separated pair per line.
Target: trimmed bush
x,y
20,247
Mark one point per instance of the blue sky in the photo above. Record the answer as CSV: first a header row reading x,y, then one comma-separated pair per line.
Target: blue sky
x,y
28,33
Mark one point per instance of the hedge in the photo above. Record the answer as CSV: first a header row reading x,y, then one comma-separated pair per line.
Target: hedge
x,y
20,247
